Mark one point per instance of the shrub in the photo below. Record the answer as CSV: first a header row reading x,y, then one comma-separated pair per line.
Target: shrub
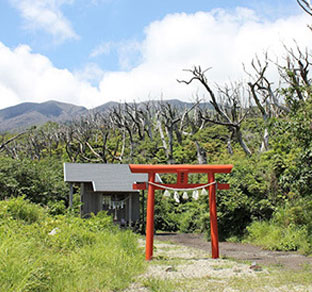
x,y
39,181
275,237
21,209
289,229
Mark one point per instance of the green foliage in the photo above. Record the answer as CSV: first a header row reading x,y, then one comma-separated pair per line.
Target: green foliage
x,y
80,255
166,217
251,196
292,145
190,217
40,181
157,285
273,236
21,210
56,207
289,229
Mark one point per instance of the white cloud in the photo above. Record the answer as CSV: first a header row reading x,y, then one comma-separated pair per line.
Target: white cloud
x,y
98,2
128,52
46,15
218,39
91,73
102,49
25,76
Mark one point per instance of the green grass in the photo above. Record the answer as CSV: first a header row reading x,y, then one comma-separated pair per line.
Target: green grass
x,y
158,285
273,236
273,280
84,255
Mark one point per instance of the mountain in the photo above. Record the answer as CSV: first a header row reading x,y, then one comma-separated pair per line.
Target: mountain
x,y
173,102
27,114
106,106
24,115
183,104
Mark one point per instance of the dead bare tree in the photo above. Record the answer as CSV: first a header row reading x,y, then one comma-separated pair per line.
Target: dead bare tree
x,y
168,117
265,97
34,144
8,141
11,146
121,117
295,73
137,117
229,114
67,136
80,135
192,123
102,124
306,6
49,134
147,117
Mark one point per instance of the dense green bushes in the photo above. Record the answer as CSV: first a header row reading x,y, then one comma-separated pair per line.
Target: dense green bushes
x,y
40,181
273,236
290,228
63,253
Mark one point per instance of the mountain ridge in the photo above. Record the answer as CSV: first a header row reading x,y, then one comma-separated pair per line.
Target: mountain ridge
x,y
27,114
24,115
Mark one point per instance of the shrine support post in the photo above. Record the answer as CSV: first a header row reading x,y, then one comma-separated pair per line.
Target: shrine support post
x,y
150,218
213,217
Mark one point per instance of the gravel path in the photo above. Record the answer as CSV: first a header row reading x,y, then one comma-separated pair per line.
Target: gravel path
x,y
239,251
178,262
178,266
183,268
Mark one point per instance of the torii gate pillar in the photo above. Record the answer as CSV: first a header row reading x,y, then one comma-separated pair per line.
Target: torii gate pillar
x,y
182,182
150,218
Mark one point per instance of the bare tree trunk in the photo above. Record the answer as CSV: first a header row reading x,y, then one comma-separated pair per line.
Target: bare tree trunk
x,y
2,145
265,141
229,145
170,141
201,154
241,141
123,146
229,113
162,137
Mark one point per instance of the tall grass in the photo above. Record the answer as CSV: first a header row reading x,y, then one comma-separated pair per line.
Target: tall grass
x,y
272,236
82,255
289,229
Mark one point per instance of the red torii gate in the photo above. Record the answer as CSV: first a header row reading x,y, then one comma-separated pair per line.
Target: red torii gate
x,y
182,172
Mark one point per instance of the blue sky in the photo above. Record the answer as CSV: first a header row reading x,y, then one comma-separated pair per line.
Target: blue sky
x,y
89,52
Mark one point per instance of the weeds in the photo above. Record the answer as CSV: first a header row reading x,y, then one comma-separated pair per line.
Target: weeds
x,y
83,255
276,237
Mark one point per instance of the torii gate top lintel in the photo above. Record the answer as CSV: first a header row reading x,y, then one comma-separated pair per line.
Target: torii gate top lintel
x,y
182,171
174,168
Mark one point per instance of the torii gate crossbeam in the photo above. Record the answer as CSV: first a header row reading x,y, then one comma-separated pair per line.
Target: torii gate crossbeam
x,y
182,171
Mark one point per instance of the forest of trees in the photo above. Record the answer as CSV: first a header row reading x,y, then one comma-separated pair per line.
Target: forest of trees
x,y
262,125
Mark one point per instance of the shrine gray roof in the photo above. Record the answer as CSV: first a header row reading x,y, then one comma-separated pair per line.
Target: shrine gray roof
x,y
104,177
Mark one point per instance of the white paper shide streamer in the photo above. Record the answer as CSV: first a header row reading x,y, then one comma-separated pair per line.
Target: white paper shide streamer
x,y
176,197
195,195
185,196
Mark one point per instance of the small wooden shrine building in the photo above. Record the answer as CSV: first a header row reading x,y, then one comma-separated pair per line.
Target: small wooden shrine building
x,y
106,187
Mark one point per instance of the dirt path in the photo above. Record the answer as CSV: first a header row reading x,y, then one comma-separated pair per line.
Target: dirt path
x,y
182,263
238,251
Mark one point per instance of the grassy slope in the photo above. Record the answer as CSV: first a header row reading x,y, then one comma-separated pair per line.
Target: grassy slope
x,y
83,255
